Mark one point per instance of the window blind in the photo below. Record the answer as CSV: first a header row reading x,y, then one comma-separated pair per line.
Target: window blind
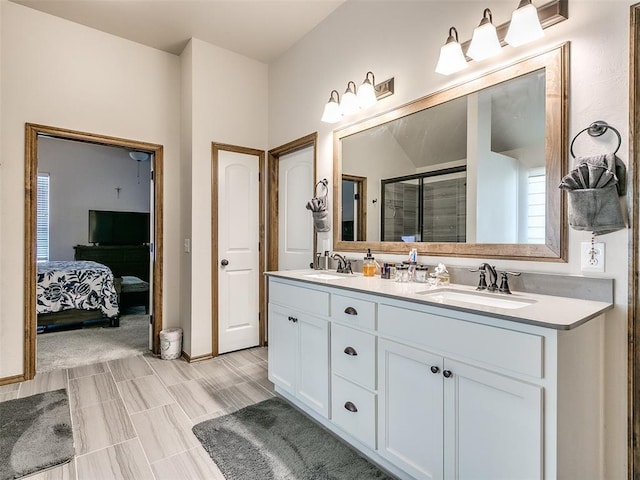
x,y
536,205
42,225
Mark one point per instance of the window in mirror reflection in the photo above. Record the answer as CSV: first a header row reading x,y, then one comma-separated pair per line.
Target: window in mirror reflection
x,y
496,136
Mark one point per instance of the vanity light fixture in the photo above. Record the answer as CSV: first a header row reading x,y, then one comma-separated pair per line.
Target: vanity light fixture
x,y
484,42
525,25
349,102
331,112
367,92
451,57
367,95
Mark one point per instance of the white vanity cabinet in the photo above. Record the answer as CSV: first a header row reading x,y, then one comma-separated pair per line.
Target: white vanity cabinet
x,y
431,392
440,418
299,344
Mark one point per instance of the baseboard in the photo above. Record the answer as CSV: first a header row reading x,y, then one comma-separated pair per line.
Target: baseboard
x,y
198,358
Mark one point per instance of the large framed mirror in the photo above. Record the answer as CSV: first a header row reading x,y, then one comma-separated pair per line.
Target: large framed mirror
x,y
472,170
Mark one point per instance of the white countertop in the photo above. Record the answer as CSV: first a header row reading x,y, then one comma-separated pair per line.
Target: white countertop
x,y
559,313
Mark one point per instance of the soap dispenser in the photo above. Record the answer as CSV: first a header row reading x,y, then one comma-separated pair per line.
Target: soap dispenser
x,y
369,265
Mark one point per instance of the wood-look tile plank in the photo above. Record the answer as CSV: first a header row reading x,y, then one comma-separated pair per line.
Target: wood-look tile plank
x,y
172,372
43,382
9,387
244,394
144,393
261,352
124,461
101,425
194,464
66,471
85,391
218,373
164,431
198,398
8,396
129,368
86,370
241,358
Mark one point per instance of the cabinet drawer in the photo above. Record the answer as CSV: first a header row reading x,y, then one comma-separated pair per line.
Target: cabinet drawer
x,y
353,355
356,312
353,409
510,350
299,298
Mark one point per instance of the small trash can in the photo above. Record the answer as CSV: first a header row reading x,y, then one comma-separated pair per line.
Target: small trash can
x,y
170,343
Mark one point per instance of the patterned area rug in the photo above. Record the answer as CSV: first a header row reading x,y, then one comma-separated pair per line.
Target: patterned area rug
x,y
35,434
272,440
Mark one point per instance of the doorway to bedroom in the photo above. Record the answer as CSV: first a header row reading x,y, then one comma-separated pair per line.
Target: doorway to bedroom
x,y
93,248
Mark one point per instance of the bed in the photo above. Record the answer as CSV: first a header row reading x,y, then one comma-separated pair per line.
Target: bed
x,y
74,291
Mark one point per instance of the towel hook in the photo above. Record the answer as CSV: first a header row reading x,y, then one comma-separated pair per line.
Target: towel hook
x,y
597,129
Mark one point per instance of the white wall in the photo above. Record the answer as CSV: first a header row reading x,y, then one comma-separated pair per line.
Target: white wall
x,y
84,177
228,105
402,40
58,73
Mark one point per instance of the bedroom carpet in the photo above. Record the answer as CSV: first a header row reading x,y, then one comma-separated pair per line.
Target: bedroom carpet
x,y
273,440
36,434
73,348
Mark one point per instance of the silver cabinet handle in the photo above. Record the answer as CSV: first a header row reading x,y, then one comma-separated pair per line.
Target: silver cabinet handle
x,y
351,407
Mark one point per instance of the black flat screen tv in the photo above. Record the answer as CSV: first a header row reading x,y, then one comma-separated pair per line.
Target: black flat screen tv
x,y
118,228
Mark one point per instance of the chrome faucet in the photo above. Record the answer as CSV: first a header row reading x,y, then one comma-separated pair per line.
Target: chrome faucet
x,y
493,276
344,265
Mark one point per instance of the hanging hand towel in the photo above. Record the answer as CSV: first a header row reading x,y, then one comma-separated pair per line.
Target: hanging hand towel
x,y
318,207
592,189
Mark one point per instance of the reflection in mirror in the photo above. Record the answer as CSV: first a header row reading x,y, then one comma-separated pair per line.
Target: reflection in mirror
x,y
475,165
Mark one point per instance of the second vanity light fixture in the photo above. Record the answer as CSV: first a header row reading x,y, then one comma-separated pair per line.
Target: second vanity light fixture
x,y
355,99
523,28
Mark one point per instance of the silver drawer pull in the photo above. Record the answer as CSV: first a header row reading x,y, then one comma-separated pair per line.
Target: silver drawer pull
x,y
351,407
351,351
350,311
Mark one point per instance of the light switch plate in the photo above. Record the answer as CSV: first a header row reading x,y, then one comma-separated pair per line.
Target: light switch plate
x,y
187,245
592,261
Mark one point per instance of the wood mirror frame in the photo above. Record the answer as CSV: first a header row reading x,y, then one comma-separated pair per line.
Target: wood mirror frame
x,y
555,63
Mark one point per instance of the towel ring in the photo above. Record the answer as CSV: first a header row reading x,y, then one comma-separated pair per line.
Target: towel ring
x,y
324,182
596,129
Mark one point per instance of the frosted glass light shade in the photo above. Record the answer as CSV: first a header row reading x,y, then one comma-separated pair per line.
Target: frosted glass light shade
x,y
484,42
366,94
331,112
349,102
451,58
525,25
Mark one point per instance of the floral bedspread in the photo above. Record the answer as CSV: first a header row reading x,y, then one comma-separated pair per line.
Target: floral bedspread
x,y
83,285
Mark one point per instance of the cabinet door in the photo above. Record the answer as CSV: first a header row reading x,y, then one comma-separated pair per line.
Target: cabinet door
x,y
410,413
283,348
312,382
493,425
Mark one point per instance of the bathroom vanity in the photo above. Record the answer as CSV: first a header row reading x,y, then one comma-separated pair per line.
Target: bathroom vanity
x,y
444,382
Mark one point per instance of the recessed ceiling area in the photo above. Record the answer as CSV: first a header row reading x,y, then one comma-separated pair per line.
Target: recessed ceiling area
x,y
259,29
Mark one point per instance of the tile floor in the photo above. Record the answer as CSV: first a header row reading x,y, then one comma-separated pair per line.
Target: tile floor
x,y
132,417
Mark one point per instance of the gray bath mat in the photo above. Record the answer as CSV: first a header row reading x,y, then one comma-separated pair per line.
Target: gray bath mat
x,y
272,440
35,434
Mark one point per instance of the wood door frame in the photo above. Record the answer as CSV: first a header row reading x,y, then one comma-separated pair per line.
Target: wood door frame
x,y
273,213
215,280
633,307
362,205
32,132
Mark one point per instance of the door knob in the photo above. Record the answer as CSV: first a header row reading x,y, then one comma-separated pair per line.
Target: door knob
x,y
224,262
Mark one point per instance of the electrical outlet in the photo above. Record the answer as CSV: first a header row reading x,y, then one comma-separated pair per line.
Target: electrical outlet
x,y
187,245
592,257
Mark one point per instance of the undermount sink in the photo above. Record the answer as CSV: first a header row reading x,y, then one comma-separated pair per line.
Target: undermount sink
x,y
444,295
324,276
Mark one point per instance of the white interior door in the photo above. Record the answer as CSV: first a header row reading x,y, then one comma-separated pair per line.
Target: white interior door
x,y
238,255
295,227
